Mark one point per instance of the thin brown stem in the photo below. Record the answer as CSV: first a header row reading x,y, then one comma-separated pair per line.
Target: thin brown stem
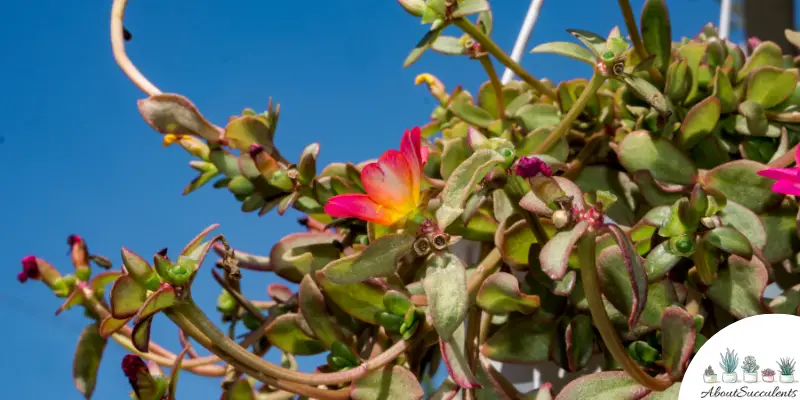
x,y
591,288
488,266
118,47
638,45
489,46
194,318
486,62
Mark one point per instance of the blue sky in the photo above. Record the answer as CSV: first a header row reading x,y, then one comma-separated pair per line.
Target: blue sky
x,y
78,158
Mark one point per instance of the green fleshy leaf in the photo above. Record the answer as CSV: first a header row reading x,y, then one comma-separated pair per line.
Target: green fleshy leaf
x,y
729,240
307,166
461,182
422,46
539,115
160,300
86,362
559,151
172,113
769,86
74,298
377,260
593,41
723,90
241,390
284,333
502,206
579,338
746,222
706,259
738,181
649,93
388,383
752,121
362,300
454,152
469,7
315,313
520,342
678,80
487,99
598,177
660,261
781,230
454,357
765,54
656,193
463,108
245,131
513,242
677,340
567,49
693,52
111,325
500,294
299,254
446,391
623,280
657,32
787,302
449,45
546,191
127,296
606,385
140,336
554,257
445,285
670,394
640,150
738,289
699,122
138,269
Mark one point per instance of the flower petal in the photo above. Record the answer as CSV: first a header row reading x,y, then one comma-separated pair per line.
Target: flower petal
x,y
786,187
389,182
792,174
412,149
362,207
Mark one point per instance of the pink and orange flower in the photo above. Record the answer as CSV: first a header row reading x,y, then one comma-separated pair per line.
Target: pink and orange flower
x,y
788,179
392,185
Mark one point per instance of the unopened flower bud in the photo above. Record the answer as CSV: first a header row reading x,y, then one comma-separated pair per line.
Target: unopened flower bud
x,y
37,269
413,7
191,144
281,180
529,167
560,219
80,257
30,270
434,85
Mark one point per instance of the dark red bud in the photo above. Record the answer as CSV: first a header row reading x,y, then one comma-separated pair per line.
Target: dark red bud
x,y
162,252
30,269
255,149
529,167
74,239
132,365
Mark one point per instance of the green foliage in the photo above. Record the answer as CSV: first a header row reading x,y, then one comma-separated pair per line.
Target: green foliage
x,y
620,216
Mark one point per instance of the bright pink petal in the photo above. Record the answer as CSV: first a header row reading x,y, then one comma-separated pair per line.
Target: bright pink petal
x,y
362,207
411,147
786,187
389,182
792,174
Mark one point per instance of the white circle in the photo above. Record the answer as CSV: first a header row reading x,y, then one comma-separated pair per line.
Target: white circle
x,y
768,338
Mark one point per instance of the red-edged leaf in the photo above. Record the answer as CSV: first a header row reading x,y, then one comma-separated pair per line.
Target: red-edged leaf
x,y
127,296
636,273
453,354
173,113
87,360
162,299
73,299
141,334
677,340
280,293
554,256
392,382
194,243
101,280
173,374
607,385
111,325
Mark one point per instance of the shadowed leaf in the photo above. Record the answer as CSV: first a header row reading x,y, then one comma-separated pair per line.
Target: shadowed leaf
x,y
87,358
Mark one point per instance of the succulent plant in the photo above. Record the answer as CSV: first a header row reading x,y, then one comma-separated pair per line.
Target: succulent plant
x,y
786,366
749,365
633,215
709,371
729,361
768,372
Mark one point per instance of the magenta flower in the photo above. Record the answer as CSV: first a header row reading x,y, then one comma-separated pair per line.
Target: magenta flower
x,y
788,179
30,269
529,167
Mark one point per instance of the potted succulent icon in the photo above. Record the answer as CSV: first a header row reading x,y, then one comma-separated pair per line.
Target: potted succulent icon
x,y
709,376
729,362
768,375
750,369
786,366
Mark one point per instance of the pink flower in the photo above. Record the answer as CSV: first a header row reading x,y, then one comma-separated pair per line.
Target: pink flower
x,y
528,167
788,179
753,42
392,185
30,269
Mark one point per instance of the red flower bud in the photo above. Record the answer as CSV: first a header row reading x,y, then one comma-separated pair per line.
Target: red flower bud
x,y
529,167
132,366
30,269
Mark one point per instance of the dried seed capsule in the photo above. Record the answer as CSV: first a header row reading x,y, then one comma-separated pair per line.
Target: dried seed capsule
x,y
422,246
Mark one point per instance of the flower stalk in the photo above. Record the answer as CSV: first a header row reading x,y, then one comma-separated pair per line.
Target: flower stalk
x,y
486,62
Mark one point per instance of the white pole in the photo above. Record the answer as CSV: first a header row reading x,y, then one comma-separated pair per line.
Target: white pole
x,y
524,35
725,18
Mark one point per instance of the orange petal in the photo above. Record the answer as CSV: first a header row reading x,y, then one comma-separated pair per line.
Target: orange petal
x,y
389,182
362,207
412,149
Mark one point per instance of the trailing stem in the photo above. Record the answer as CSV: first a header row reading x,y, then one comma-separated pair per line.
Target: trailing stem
x,y
486,62
563,128
489,46
591,287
